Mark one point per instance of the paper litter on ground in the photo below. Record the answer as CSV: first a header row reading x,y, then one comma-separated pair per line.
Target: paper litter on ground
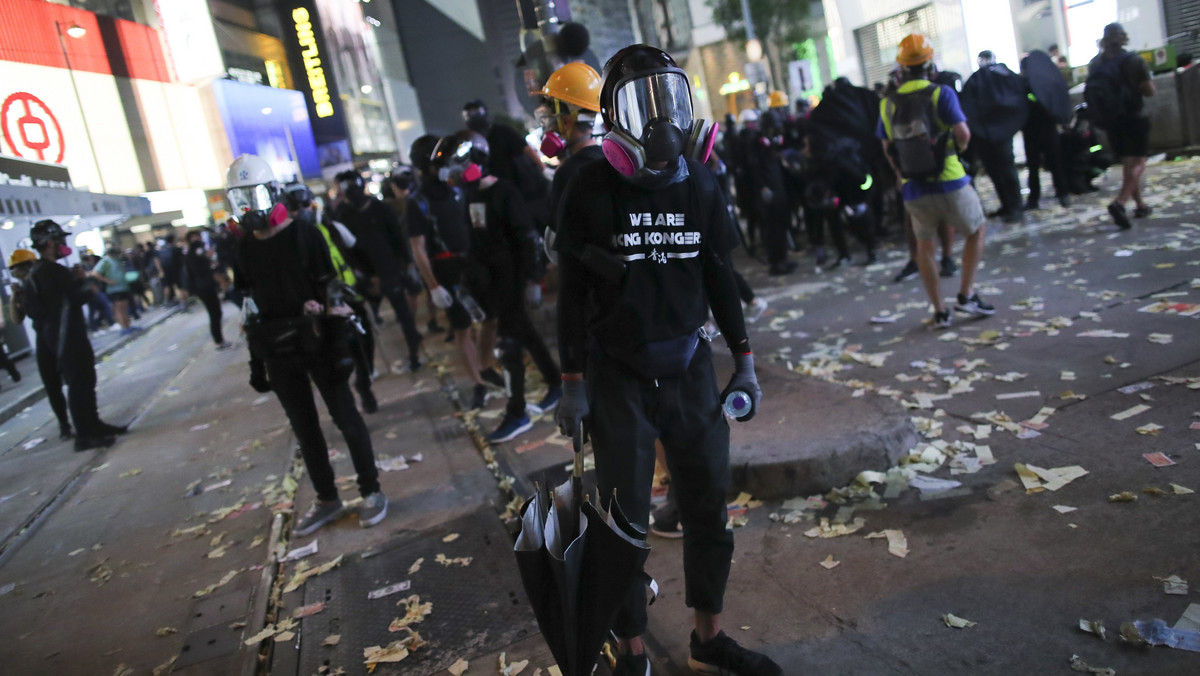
x,y
829,563
1094,627
1130,412
1174,585
1077,664
897,543
1037,479
955,622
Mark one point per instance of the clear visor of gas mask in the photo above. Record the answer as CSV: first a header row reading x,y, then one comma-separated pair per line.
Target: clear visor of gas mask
x,y
250,198
661,96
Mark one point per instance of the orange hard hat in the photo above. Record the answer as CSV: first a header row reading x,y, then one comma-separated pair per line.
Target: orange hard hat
x,y
914,50
777,99
575,83
20,256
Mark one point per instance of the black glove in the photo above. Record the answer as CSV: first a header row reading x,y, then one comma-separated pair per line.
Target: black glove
x,y
258,376
572,407
743,379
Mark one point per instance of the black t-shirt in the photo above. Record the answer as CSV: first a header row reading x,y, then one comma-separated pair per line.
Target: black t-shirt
x,y
444,210
373,226
199,270
1134,72
567,171
284,271
661,235
505,144
500,232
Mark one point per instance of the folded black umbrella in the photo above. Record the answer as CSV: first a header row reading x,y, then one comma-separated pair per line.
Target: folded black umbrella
x,y
1048,86
996,102
577,563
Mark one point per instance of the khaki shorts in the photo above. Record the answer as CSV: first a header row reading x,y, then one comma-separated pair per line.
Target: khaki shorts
x,y
960,210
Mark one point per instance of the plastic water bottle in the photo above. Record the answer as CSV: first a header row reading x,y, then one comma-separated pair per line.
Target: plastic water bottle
x,y
472,308
737,404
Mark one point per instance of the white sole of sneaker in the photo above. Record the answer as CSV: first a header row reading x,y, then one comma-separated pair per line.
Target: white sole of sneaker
x,y
367,523
702,668
512,435
320,524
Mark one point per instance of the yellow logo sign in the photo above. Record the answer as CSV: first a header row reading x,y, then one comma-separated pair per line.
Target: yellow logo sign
x,y
312,62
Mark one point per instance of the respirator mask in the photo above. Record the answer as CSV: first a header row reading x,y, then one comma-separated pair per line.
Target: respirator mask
x,y
652,122
256,207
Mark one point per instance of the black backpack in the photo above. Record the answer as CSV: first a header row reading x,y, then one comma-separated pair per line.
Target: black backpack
x,y
917,148
1106,93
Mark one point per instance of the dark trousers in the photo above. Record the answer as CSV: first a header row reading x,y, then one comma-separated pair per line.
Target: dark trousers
x,y
776,219
394,292
290,380
7,364
47,364
517,336
79,373
362,348
1001,167
212,305
627,414
1043,148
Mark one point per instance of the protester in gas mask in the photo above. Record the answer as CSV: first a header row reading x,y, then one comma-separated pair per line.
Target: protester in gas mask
x,y
643,254
293,332
512,159
500,273
53,297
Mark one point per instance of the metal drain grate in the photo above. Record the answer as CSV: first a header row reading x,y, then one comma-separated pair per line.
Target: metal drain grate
x,y
476,609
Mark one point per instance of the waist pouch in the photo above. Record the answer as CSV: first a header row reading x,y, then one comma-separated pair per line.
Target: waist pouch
x,y
661,359
290,337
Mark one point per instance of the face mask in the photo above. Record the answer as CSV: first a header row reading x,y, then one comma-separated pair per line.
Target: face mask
x,y
478,123
452,176
552,144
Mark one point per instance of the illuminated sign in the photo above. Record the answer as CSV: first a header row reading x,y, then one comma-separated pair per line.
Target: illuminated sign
x,y
311,54
736,84
30,129
188,27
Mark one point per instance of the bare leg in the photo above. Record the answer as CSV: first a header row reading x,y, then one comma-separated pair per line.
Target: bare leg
x,y
927,265
468,354
972,255
121,310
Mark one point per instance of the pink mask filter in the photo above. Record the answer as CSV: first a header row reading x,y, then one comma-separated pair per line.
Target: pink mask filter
x,y
708,142
552,144
619,157
278,215
64,251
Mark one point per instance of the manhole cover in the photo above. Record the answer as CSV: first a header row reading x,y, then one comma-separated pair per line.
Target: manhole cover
x,y
477,608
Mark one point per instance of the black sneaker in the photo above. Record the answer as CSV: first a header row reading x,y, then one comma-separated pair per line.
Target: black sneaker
x,y
941,319
632,665
1117,211
106,430
948,268
65,432
722,655
479,396
906,273
974,306
1139,212
492,377
1064,201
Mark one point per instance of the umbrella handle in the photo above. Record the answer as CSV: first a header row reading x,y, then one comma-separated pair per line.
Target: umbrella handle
x,y
577,444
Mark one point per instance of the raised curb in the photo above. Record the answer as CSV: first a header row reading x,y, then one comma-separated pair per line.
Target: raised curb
x,y
832,437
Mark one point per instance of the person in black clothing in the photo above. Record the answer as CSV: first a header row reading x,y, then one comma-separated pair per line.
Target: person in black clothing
x,y
293,333
202,283
1050,109
382,248
512,159
23,258
170,259
53,297
765,180
996,104
643,254
500,270
568,119
225,246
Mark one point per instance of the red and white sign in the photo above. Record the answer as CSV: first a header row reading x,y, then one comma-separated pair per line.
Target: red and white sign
x,y
30,128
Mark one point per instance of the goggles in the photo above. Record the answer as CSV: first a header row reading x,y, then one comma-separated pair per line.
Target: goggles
x,y
660,96
250,198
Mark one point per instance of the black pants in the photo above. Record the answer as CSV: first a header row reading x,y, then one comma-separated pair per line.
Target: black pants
x,y
362,348
7,364
289,379
517,335
78,370
212,305
998,162
47,364
393,290
628,413
1043,148
776,220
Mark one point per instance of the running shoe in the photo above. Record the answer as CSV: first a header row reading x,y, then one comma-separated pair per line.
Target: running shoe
x,y
906,273
722,655
1142,212
510,428
548,402
941,319
974,306
318,515
373,509
664,522
948,269
1117,211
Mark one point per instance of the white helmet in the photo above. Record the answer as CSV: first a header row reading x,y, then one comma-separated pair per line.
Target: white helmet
x,y
250,185
748,116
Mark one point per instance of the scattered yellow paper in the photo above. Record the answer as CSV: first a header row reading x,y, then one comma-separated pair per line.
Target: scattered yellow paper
x,y
213,587
450,538
1123,496
1094,627
303,573
414,612
133,472
829,563
824,530
416,565
1180,490
459,667
511,669
332,640
955,622
1149,429
897,543
463,561
1130,412
166,631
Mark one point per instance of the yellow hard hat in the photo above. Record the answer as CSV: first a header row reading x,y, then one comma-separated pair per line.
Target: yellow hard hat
x,y
20,256
575,83
914,50
777,99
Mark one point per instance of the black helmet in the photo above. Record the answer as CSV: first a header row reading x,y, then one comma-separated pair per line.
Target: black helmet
x,y
421,151
46,231
462,154
647,98
297,196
